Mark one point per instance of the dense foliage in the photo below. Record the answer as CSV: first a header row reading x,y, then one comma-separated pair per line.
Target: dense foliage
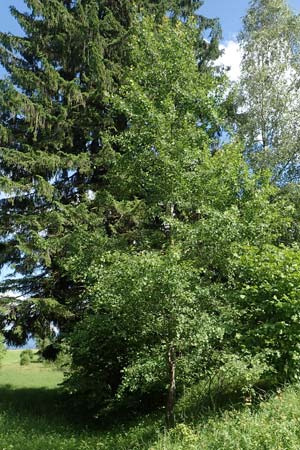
x,y
151,252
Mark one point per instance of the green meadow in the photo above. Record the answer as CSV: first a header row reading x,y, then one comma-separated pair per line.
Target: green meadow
x,y
35,375
35,416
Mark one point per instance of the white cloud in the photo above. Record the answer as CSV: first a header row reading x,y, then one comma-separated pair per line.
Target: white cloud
x,y
13,295
231,59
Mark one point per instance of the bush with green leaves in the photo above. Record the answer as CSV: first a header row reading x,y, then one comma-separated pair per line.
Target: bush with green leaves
x,y
26,357
267,301
144,305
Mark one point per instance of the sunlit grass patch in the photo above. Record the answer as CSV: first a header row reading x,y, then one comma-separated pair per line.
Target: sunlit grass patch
x,y
33,375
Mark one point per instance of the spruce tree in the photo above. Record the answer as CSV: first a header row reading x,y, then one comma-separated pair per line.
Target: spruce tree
x,y
53,113
56,150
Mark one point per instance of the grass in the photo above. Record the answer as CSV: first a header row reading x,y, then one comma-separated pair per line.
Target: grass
x,y
35,375
34,417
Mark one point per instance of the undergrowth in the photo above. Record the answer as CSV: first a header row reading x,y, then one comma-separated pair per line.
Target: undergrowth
x,y
34,416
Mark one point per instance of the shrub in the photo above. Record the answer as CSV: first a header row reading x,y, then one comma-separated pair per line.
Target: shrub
x,y
267,301
26,356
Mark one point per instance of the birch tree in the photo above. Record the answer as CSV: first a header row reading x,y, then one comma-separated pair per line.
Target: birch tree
x,y
269,108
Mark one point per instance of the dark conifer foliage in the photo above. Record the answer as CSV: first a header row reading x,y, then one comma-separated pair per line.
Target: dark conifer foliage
x,y
53,115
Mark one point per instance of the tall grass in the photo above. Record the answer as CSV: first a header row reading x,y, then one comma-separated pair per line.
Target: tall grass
x,y
271,425
34,416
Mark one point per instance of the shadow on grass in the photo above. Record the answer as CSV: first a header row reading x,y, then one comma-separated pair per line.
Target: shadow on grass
x,y
47,411
31,416
33,402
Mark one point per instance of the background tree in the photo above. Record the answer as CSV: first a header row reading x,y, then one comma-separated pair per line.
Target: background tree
x,y
269,88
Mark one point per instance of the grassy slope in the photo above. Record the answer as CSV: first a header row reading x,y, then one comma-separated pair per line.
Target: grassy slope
x,y
31,418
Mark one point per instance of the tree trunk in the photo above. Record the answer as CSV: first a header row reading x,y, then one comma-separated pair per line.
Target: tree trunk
x,y
170,415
